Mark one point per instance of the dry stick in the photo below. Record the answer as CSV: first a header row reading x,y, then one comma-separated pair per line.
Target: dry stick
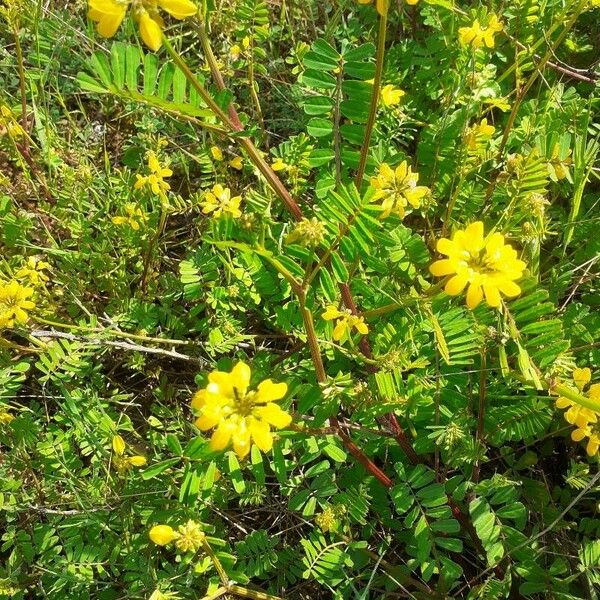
x,y
364,152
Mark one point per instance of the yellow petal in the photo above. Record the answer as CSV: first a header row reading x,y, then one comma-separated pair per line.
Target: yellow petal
x,y
340,329
446,246
118,445
578,434
582,377
456,285
440,268
261,435
492,295
474,295
152,35
206,421
221,437
180,9
240,376
274,415
509,288
269,391
137,461
162,534
109,23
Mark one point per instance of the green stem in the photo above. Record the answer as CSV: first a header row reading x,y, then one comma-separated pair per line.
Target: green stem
x,y
379,58
216,74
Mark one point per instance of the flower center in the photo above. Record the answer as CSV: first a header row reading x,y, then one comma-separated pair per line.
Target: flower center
x,y
244,403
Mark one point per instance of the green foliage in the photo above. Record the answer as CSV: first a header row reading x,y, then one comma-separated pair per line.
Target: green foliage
x,y
426,458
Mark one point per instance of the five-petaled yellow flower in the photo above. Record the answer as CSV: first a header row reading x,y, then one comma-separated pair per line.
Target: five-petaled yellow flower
x,y
14,303
135,217
240,416
216,153
156,179
187,538
121,462
33,271
397,188
391,95
476,35
585,419
109,14
345,322
488,265
478,133
219,201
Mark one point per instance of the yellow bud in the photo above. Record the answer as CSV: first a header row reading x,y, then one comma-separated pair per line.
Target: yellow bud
x,y
118,445
163,535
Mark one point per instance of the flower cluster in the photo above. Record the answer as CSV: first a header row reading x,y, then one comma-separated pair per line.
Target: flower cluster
x,y
5,416
479,133
309,233
134,217
391,95
8,123
584,419
34,271
238,415
121,462
14,303
476,35
397,188
156,179
219,201
345,322
109,14
187,538
235,163
488,266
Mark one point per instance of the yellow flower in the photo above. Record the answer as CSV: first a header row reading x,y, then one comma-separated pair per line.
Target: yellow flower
x,y
240,416
5,417
558,167
109,14
156,178
190,537
14,303
593,436
398,188
187,538
236,163
279,165
391,95
477,36
216,153
135,217
345,322
121,462
489,266
8,123
308,233
576,414
246,42
381,5
479,133
234,52
219,201
162,535
34,271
